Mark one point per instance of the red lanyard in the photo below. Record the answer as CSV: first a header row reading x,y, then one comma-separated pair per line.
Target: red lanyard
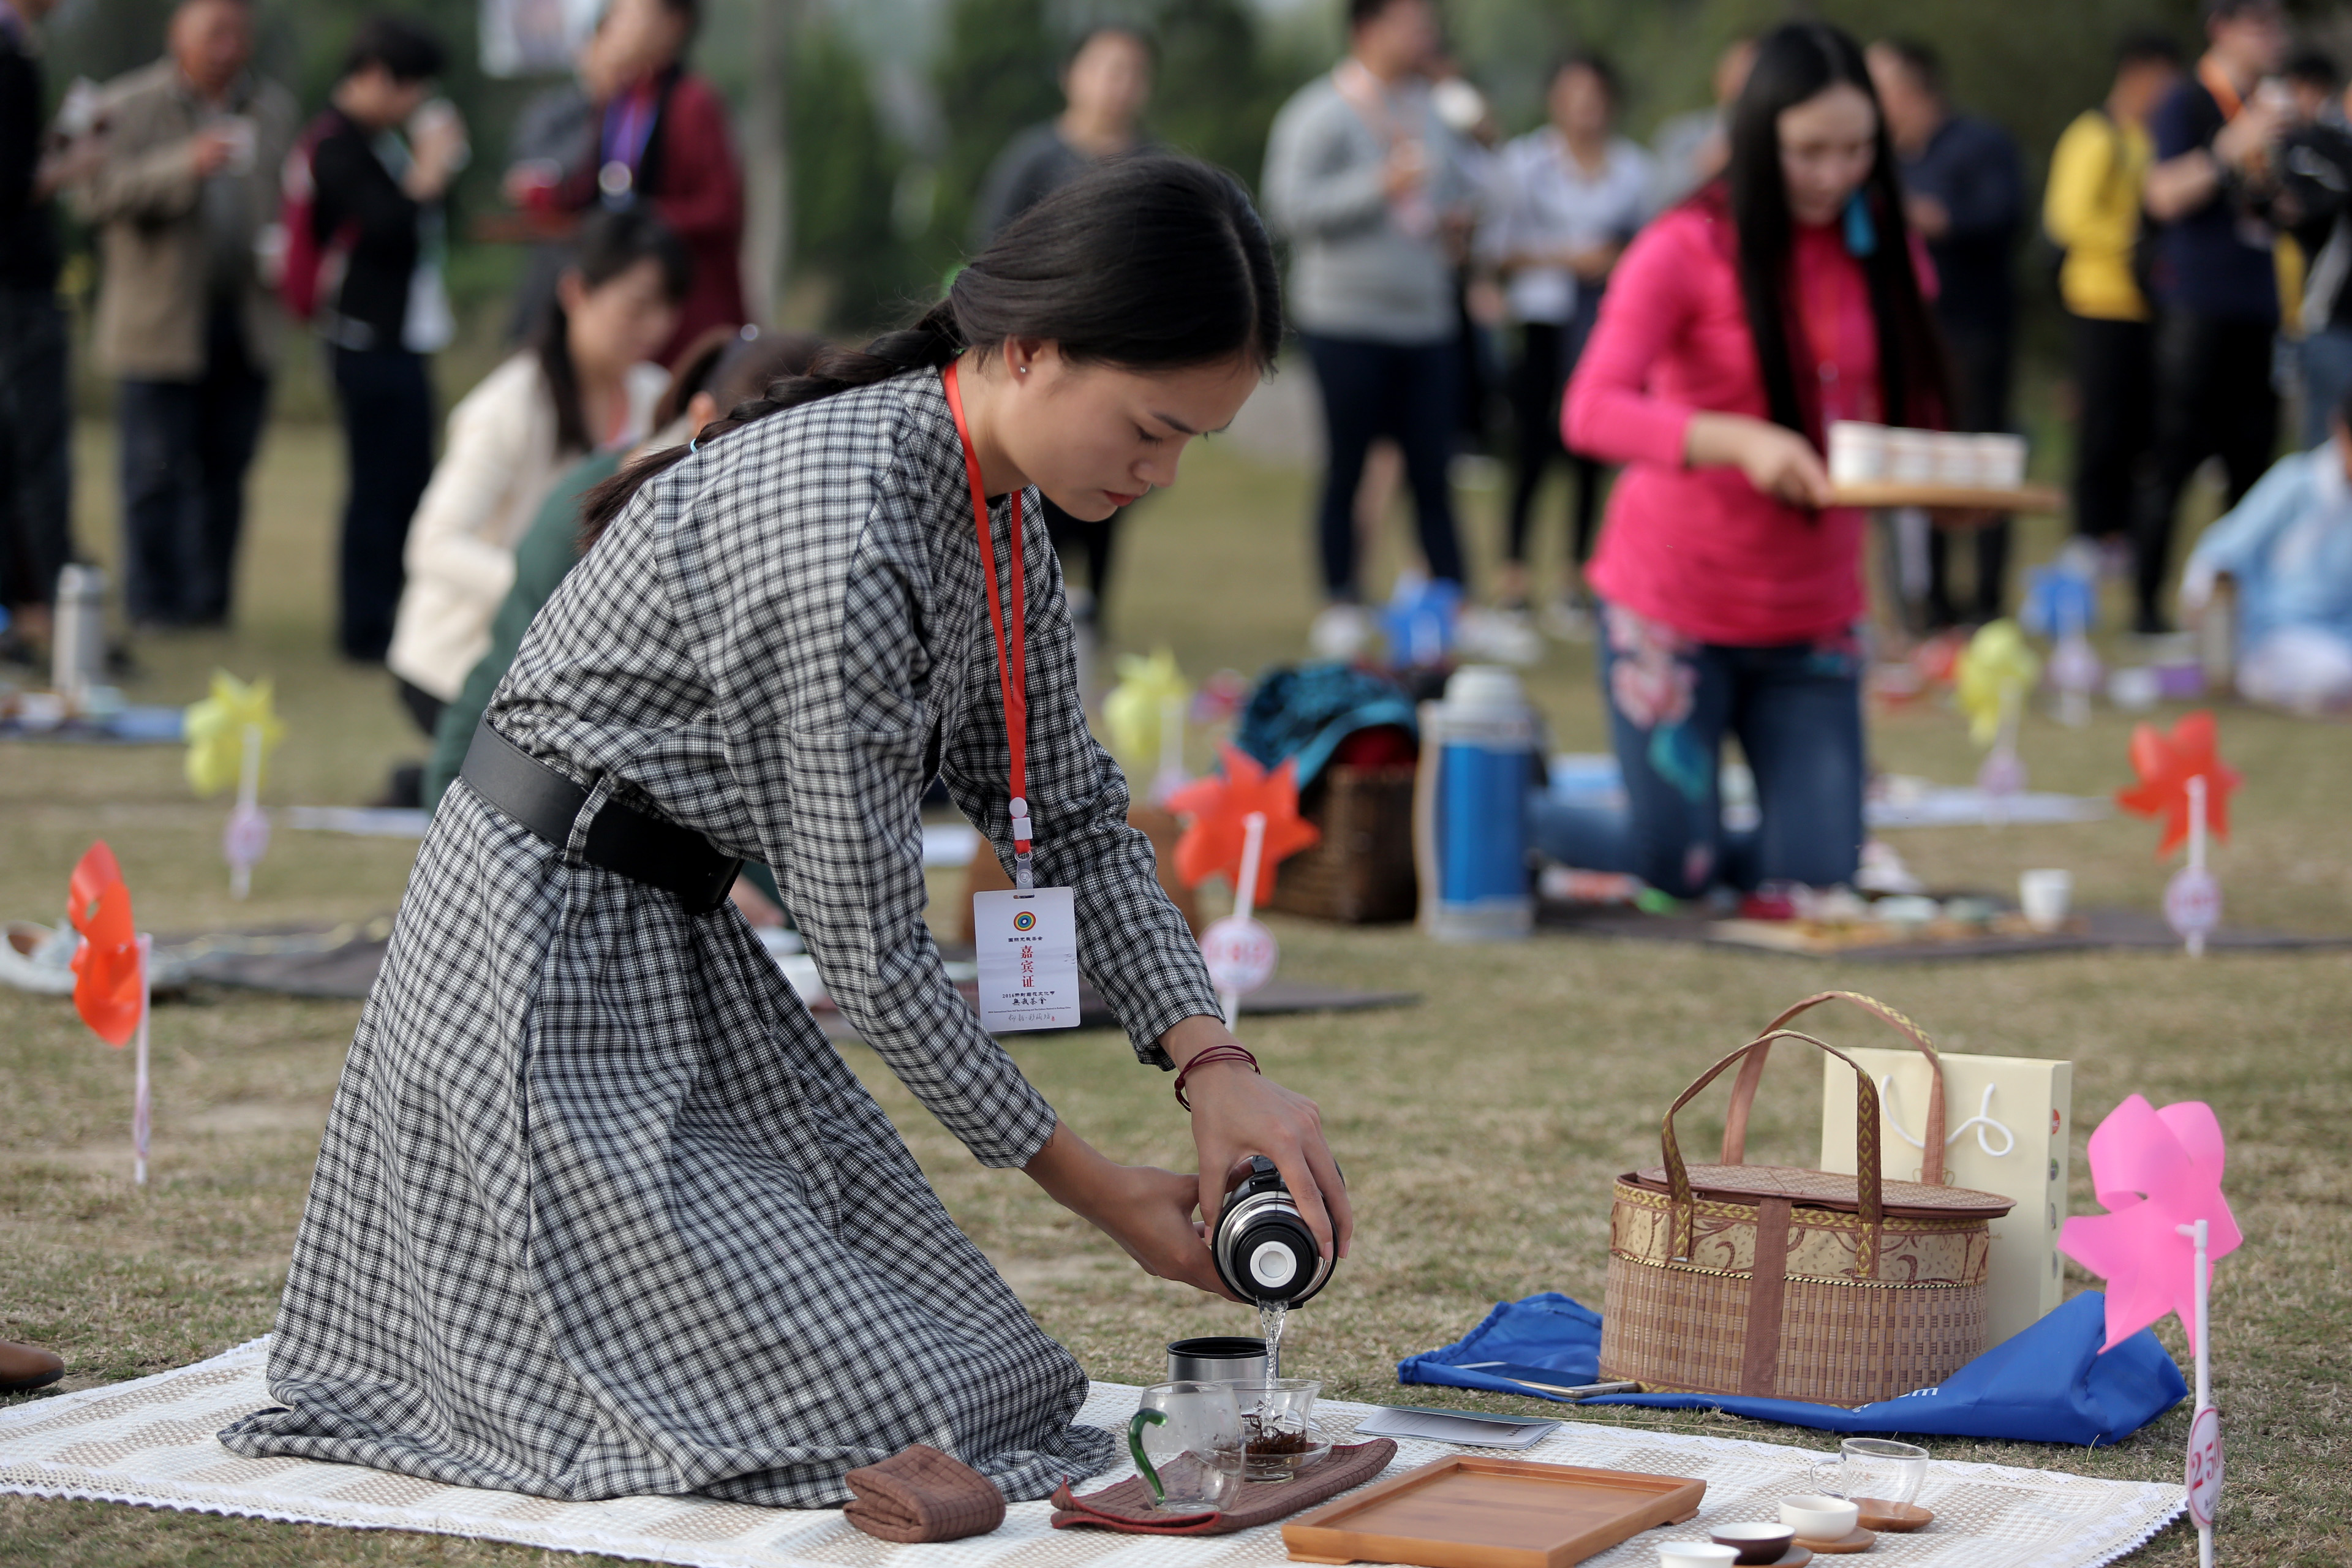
x,y
1011,659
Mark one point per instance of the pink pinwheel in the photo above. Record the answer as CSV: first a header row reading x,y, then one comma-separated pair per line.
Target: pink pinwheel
x,y
2155,1171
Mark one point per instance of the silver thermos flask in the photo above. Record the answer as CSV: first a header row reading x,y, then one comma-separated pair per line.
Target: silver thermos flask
x,y
77,646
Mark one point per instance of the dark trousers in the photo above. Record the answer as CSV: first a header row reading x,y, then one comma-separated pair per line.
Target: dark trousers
x,y
35,447
2114,384
2213,398
1546,354
1402,391
386,403
1981,368
1072,535
1796,710
423,708
186,446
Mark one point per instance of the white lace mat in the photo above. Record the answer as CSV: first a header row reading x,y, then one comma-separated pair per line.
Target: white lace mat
x,y
151,1443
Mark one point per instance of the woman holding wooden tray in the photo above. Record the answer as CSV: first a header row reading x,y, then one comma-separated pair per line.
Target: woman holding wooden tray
x,y
1783,296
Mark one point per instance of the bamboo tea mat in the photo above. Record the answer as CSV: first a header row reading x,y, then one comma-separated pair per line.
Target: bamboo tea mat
x,y
151,1443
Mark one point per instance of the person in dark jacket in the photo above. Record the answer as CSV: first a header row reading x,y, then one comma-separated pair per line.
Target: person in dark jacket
x,y
1964,192
34,476
378,215
1107,85
2217,138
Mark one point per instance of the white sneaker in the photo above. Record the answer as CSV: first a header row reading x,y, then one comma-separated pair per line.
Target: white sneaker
x,y
1340,632
1507,637
36,958
1568,620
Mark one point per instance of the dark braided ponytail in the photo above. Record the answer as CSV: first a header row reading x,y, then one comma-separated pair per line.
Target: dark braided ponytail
x,y
1149,263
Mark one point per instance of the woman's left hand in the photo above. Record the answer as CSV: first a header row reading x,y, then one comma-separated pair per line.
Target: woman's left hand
x,y
1147,1211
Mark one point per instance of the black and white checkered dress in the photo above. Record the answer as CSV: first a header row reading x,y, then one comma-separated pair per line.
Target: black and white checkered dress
x,y
599,1210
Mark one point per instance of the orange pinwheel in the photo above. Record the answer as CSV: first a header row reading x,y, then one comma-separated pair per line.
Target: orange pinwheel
x,y
108,987
1220,805
2165,764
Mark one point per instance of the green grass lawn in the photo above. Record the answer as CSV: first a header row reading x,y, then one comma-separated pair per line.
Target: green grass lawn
x,y
1480,1129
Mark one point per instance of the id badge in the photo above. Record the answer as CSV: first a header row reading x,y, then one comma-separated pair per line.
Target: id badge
x,y
1028,952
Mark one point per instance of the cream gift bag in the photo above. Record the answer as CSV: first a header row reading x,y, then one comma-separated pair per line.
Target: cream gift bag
x,y
2009,1130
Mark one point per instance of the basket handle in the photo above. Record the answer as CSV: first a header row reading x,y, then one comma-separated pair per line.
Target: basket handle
x,y
1685,1206
1743,1090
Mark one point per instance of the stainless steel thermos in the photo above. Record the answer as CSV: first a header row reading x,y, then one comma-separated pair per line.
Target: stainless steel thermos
x,y
78,638
1263,1249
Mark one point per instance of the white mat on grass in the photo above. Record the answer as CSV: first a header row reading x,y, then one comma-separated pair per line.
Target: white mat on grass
x,y
151,1443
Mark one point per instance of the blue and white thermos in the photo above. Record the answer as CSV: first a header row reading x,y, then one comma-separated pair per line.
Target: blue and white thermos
x,y
1470,808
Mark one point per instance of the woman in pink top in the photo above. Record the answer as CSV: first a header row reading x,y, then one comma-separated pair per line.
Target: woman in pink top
x,y
1786,295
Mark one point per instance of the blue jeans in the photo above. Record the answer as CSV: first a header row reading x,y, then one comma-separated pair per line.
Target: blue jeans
x,y
2326,357
1405,391
186,446
1797,711
387,408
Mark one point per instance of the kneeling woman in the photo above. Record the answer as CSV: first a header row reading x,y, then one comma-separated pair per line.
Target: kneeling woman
x,y
599,1210
1737,327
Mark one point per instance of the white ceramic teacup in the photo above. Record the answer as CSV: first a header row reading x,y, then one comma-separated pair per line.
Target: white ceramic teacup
x,y
1691,1553
2043,895
1815,1516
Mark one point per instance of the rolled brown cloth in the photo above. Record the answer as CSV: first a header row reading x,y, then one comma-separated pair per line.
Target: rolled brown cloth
x,y
921,1494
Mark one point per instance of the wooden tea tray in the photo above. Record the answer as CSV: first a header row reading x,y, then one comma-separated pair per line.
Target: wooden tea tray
x,y
1474,1512
1951,497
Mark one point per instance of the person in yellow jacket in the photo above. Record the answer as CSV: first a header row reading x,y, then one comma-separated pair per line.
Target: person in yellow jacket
x,y
2092,213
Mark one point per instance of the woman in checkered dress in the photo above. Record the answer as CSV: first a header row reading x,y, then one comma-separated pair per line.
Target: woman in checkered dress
x,y
599,1210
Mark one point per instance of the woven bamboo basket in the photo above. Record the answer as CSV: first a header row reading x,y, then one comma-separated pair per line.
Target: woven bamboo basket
x,y
1780,1282
1360,871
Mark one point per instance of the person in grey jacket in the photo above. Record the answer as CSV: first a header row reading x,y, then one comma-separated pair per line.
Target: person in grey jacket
x,y
1369,185
185,186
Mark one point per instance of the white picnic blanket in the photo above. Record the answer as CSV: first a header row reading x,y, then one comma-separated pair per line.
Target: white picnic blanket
x,y
151,1443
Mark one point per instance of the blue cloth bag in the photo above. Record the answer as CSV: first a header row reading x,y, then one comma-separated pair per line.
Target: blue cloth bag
x,y
2048,1384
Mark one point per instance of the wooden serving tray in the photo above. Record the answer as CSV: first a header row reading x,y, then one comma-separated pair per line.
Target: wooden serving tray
x,y
1474,1511
1951,497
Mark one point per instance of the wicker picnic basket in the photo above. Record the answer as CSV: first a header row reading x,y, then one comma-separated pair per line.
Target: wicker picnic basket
x,y
1360,871
1779,1282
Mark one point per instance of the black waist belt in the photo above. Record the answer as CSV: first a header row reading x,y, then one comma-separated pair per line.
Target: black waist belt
x,y
640,847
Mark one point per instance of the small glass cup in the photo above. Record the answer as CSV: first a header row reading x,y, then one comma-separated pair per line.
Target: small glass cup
x,y
1279,1427
1187,1442
1878,1470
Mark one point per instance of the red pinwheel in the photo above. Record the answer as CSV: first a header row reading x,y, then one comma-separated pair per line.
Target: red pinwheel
x,y
1219,806
2165,764
108,991
2155,1171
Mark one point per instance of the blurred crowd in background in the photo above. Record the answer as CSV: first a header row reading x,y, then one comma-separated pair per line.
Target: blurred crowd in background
x,y
2190,237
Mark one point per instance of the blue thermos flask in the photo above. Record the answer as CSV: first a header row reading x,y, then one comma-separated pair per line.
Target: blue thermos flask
x,y
1470,808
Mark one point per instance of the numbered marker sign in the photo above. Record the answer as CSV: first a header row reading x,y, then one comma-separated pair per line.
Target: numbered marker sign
x,y
1241,954
2205,1467
246,839
2192,902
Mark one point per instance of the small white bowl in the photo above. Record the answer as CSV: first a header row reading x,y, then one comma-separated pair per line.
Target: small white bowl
x,y
1691,1553
1817,1518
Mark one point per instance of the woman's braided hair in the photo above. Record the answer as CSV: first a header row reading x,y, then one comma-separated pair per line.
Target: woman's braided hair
x,y
1156,262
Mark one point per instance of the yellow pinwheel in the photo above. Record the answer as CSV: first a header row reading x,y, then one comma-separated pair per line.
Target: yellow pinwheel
x,y
216,731
1995,674
1138,705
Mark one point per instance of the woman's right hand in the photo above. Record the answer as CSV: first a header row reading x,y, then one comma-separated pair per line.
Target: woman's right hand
x,y
1777,460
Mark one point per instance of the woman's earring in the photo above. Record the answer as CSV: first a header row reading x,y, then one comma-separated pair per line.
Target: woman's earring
x,y
1861,233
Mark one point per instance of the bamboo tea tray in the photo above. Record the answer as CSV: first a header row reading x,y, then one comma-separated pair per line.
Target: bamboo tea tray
x,y
1475,1511
2036,498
